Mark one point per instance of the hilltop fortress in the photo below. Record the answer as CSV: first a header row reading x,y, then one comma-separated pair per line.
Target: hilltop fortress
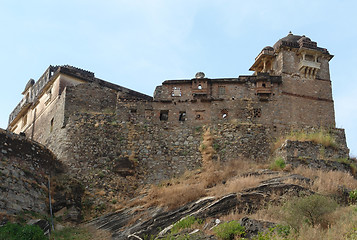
x,y
93,125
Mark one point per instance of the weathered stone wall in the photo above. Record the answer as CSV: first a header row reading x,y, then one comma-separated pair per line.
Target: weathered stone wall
x,y
97,144
310,150
24,166
89,97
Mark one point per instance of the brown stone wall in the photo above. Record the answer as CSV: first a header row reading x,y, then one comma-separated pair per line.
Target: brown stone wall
x,y
89,97
24,167
97,142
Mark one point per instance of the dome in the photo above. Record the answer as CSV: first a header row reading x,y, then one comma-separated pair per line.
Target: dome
x,y
290,40
200,75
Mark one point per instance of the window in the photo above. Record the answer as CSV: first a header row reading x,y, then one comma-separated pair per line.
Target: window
x,y
164,115
182,116
24,121
48,96
221,90
199,115
257,112
176,92
51,125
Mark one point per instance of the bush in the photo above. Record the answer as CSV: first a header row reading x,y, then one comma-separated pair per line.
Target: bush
x,y
13,231
228,230
310,209
185,223
278,164
278,232
353,195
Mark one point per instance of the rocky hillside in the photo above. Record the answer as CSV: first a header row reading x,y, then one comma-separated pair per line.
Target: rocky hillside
x,y
241,198
257,199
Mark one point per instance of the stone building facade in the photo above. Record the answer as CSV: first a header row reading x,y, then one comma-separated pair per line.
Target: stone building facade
x,y
84,119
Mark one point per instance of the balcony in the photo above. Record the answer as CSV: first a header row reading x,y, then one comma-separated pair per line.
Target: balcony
x,y
199,91
263,90
309,64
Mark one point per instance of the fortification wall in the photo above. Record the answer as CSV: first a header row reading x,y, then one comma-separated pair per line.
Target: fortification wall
x,y
24,166
99,144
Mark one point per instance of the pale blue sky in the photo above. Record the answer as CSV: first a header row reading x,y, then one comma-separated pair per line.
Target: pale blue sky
x,y
139,44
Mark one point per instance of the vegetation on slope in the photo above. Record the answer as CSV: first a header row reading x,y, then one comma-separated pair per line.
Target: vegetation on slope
x,y
319,136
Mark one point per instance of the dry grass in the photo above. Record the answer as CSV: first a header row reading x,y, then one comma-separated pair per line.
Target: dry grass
x,y
206,148
343,227
213,180
232,216
321,136
237,184
343,224
327,182
271,213
176,195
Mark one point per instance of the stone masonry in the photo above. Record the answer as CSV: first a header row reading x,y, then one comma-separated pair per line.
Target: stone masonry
x,y
98,128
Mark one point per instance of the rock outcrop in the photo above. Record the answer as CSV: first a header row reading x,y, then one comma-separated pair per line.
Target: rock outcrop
x,y
138,222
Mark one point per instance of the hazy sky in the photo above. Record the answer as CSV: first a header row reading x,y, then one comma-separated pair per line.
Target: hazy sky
x,y
139,44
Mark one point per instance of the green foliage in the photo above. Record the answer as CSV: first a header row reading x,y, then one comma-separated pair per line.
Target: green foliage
x,y
278,232
13,231
352,235
101,207
278,164
353,168
70,233
310,209
343,160
148,237
216,146
198,129
353,195
228,230
173,237
185,223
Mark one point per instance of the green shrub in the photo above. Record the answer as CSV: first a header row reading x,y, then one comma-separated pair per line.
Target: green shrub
x,y
13,231
216,146
185,223
353,195
228,230
71,233
310,209
278,164
277,232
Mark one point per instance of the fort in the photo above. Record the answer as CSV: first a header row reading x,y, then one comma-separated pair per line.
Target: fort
x,y
96,126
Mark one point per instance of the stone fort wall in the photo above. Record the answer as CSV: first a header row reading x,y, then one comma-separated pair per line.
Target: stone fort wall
x,y
106,133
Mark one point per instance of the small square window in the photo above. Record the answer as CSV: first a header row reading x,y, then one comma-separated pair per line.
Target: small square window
x,y
182,116
164,115
221,90
176,92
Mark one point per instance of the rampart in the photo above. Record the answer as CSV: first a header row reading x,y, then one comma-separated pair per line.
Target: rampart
x,y
24,167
